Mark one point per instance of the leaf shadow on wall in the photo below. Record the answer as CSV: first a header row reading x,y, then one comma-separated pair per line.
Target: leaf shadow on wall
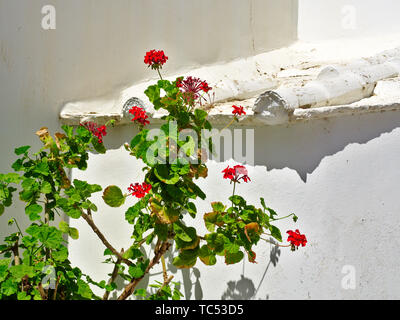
x,y
299,146
190,277
244,288
302,146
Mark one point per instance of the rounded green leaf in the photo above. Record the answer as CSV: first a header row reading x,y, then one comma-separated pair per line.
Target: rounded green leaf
x,y
33,211
73,233
113,196
21,150
74,213
64,227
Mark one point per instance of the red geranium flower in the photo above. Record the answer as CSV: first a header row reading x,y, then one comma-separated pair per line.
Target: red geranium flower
x,y
191,87
98,132
236,173
155,59
139,190
237,111
139,115
296,239
205,87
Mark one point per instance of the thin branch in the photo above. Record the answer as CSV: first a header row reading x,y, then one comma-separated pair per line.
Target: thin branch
x,y
159,251
114,274
55,289
165,274
275,243
42,292
14,249
96,230
166,283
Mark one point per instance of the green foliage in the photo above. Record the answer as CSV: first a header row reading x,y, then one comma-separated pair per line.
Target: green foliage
x,y
28,257
113,196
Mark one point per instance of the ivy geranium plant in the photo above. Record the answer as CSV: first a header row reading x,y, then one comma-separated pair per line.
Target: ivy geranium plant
x,y
34,262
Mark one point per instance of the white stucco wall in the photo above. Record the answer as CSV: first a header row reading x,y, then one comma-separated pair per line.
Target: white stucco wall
x,y
331,19
340,176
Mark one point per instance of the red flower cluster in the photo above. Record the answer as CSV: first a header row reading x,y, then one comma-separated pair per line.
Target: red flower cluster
x,y
237,111
155,59
191,87
139,115
139,190
296,239
98,132
236,173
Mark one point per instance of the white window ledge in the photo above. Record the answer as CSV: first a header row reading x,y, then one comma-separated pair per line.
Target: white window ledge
x,y
302,82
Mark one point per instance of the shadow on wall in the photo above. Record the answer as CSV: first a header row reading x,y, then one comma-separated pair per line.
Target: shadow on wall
x,y
244,289
191,289
299,146
302,146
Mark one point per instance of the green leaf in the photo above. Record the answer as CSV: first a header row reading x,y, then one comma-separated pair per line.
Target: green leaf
x,y
9,287
51,237
63,226
238,200
113,196
99,147
232,258
215,241
73,233
272,213
207,256
108,252
33,211
218,206
184,233
22,270
161,230
21,150
1,209
135,271
18,165
132,213
295,218
84,289
186,259
42,167
61,254
11,178
74,213
138,270
200,115
276,233
46,187
132,253
263,203
163,173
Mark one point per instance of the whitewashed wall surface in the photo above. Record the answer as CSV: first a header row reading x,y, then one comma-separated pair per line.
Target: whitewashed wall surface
x,y
330,154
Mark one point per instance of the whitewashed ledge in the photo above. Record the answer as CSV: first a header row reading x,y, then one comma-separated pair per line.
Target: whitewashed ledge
x,y
303,82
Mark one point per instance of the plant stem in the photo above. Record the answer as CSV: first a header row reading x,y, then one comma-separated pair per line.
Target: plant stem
x,y
19,229
17,260
274,243
159,251
292,214
165,274
114,274
158,70
228,125
96,230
